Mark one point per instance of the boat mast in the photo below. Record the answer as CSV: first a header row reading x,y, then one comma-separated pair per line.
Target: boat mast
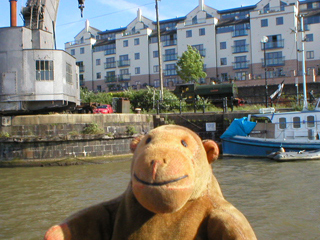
x,y
305,102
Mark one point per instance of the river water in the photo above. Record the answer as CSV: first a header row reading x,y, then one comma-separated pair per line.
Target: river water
x,y
281,200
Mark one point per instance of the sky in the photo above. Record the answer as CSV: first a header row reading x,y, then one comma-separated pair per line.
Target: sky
x,y
112,14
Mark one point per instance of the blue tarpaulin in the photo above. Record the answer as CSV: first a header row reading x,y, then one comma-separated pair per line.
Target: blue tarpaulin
x,y
239,127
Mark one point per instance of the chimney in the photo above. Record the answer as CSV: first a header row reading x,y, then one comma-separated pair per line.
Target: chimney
x,y
201,5
13,13
139,15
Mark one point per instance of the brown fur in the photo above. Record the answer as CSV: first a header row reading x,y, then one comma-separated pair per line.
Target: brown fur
x,y
172,195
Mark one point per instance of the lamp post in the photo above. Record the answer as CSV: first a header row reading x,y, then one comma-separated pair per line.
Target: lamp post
x,y
264,40
159,52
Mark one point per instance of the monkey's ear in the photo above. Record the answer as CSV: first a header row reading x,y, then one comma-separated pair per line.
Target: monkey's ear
x,y
134,143
212,150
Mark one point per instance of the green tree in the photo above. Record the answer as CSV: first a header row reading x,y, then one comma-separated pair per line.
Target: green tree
x,y
190,66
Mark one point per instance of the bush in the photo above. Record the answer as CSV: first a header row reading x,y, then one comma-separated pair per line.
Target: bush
x,y
93,128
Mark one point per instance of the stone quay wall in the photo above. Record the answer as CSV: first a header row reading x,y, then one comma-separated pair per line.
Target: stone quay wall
x,y
61,136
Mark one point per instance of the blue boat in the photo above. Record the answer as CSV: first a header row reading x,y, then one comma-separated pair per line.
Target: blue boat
x,y
261,134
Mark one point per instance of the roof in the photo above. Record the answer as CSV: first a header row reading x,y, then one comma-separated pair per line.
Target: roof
x,y
232,21
163,32
113,30
104,42
251,7
177,19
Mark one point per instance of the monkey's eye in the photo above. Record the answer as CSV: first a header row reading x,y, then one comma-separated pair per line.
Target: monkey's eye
x,y
148,140
184,143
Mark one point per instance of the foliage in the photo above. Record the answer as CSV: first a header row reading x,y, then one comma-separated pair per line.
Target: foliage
x,y
93,128
131,130
4,135
146,99
190,66
89,96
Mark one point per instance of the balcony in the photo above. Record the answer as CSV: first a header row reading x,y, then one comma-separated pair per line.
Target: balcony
x,y
110,51
110,79
240,65
124,63
195,21
170,42
124,77
108,65
273,44
240,32
272,62
170,57
81,69
240,48
272,10
170,72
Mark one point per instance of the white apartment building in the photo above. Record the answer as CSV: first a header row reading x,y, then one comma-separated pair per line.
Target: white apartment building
x,y
229,40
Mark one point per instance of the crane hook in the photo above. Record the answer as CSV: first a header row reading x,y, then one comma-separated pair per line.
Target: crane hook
x,y
81,6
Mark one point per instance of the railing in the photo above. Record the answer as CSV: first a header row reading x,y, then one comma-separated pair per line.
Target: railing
x,y
193,22
170,72
81,69
241,65
273,44
280,61
108,65
128,33
110,51
124,63
240,48
109,79
170,42
124,77
272,10
170,57
241,32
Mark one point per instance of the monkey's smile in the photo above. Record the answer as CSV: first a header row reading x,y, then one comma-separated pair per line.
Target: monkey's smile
x,y
159,183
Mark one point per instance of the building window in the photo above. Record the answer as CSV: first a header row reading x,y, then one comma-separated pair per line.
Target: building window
x,y
73,52
137,56
170,70
224,77
98,61
156,68
125,43
279,20
69,73
99,88
44,70
110,63
223,45
282,123
309,37
189,33
98,75
170,55
310,54
82,50
155,54
137,70
296,122
240,62
264,22
240,76
136,41
156,83
223,61
81,66
202,31
201,50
